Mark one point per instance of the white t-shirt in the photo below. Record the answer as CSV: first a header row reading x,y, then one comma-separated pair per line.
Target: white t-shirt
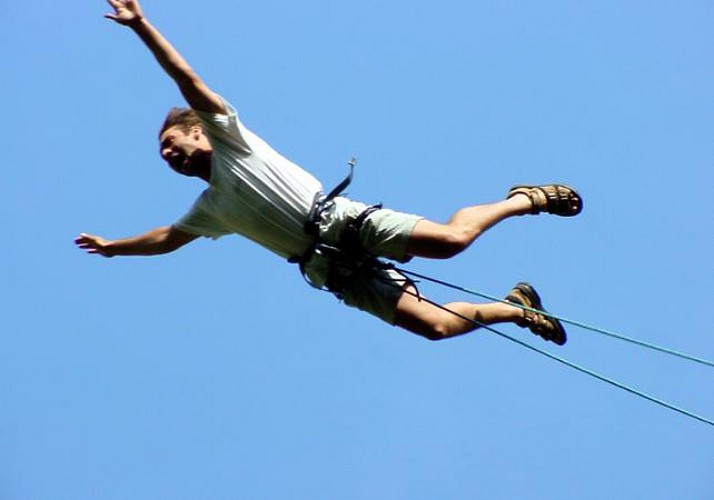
x,y
254,191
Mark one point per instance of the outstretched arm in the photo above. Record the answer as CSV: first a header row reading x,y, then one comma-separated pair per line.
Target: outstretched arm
x,y
194,90
157,241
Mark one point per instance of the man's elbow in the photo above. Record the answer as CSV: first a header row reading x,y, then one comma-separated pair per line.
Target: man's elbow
x,y
175,239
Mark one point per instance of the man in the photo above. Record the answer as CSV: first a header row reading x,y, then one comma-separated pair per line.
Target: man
x,y
255,192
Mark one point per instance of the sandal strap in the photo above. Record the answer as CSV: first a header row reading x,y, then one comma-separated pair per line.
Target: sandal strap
x,y
556,199
540,325
537,321
538,201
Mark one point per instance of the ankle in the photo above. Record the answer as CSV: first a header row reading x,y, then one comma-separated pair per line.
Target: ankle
x,y
521,204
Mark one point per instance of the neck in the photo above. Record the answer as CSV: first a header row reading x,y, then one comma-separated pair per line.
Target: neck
x,y
205,175
202,165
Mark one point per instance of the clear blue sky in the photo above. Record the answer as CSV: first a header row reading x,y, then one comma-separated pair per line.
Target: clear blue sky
x,y
216,373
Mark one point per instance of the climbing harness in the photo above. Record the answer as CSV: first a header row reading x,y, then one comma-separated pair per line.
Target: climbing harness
x,y
319,204
347,258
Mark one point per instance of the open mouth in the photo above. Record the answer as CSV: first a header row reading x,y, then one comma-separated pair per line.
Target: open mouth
x,y
180,163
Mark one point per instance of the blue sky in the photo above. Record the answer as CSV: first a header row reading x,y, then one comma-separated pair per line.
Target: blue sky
x,y
216,373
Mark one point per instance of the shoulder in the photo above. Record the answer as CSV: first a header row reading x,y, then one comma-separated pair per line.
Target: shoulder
x,y
219,115
226,128
203,201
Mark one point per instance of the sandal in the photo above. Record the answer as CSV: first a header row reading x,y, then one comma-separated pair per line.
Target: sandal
x,y
540,324
555,199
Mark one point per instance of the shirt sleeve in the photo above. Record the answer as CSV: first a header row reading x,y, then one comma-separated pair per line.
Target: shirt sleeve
x,y
199,221
226,128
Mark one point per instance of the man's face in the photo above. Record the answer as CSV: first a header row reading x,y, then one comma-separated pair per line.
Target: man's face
x,y
187,152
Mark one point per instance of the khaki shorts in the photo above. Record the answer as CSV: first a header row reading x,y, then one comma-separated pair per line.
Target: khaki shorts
x,y
385,233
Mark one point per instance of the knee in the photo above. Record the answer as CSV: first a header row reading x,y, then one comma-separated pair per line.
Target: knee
x,y
454,241
431,326
437,331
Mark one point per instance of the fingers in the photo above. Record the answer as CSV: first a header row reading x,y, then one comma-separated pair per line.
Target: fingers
x,y
94,245
81,239
116,6
84,237
121,10
87,242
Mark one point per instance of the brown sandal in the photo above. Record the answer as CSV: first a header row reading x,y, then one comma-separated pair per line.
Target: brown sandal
x,y
540,324
556,199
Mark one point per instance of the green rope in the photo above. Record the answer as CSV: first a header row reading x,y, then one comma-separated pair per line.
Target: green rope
x,y
604,378
565,320
563,360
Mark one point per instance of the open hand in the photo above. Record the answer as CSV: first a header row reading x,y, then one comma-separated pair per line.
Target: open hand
x,y
94,244
126,12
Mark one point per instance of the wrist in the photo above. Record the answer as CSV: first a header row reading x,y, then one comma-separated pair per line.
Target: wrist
x,y
110,249
138,23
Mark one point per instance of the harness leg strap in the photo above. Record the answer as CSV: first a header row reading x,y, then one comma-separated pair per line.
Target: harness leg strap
x,y
350,240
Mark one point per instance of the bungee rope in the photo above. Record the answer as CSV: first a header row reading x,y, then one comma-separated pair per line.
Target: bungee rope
x,y
547,354
564,320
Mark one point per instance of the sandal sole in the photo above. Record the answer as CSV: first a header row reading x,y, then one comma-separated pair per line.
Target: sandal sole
x,y
561,337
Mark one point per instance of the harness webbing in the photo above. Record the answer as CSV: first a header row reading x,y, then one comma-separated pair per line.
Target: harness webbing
x,y
346,257
313,220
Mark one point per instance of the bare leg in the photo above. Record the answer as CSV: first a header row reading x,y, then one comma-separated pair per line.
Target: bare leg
x,y
429,321
441,241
